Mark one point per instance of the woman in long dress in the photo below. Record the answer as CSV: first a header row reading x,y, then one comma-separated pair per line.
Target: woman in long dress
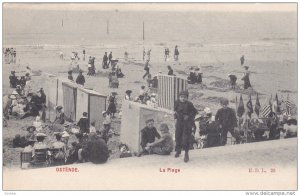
x,y
112,108
246,78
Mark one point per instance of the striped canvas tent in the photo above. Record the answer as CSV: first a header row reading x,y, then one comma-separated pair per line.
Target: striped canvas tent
x,y
91,102
168,90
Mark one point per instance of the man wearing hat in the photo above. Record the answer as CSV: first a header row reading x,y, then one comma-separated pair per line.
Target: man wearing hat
x,y
148,135
226,118
80,78
83,123
185,113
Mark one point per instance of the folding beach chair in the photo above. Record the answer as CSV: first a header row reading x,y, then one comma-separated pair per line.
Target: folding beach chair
x,y
25,159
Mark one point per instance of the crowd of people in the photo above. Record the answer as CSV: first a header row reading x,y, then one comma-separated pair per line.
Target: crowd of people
x,y
10,55
193,128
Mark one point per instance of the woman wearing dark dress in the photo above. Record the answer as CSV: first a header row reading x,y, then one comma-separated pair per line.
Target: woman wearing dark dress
x,y
246,78
112,108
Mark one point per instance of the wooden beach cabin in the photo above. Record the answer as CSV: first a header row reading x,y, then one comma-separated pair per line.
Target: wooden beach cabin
x,y
134,116
91,102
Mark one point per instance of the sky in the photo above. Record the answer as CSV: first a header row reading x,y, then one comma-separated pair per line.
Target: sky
x,y
221,7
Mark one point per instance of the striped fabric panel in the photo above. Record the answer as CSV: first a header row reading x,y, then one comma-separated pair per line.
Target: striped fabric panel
x,y
266,110
168,90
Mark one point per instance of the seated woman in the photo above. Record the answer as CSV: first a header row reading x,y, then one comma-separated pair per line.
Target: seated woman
x,y
164,145
60,116
59,150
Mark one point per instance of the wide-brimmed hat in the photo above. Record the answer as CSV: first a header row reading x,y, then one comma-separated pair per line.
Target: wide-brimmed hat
x,y
31,127
65,134
14,92
59,107
41,135
114,93
12,97
128,91
246,67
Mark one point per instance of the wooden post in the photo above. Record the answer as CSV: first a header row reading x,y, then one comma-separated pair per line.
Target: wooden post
x,y
143,31
107,27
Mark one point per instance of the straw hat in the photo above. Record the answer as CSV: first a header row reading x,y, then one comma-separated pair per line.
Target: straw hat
x,y
41,135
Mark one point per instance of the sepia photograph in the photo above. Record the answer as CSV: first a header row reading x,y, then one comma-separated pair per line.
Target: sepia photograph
x,y
150,96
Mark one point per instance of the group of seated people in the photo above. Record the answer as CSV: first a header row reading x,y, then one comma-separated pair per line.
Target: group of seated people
x,y
152,82
89,147
23,106
14,81
144,97
195,76
90,144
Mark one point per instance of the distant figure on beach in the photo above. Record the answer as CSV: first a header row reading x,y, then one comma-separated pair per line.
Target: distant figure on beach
x,y
198,74
146,68
110,58
104,61
176,53
149,54
242,59
246,78
170,72
83,52
80,78
61,55
126,55
233,79
167,54
144,54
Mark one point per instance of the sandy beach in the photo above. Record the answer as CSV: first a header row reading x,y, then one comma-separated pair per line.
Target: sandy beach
x,y
213,42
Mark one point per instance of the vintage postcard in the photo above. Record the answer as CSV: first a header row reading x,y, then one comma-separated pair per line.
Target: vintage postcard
x,y
150,96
